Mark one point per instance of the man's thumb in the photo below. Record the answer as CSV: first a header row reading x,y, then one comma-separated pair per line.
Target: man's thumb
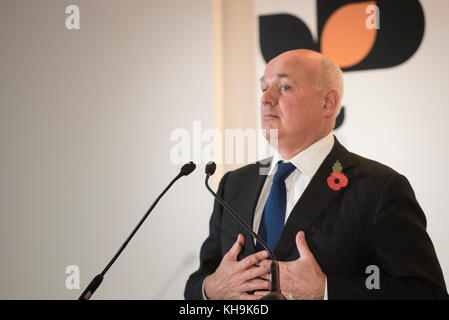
x,y
236,248
302,246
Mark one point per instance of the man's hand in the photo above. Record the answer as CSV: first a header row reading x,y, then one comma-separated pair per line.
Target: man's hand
x,y
301,279
234,279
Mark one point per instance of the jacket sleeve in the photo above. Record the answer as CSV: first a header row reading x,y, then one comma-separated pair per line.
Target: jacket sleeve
x,y
400,247
211,253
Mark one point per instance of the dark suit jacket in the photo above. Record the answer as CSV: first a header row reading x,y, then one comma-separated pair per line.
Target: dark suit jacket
x,y
374,220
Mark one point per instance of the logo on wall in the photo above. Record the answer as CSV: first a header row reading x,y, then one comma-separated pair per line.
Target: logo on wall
x,y
344,37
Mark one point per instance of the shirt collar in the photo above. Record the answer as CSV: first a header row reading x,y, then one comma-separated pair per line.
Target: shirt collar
x,y
309,160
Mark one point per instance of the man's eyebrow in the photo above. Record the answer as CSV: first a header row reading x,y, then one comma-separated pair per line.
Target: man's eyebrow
x,y
279,75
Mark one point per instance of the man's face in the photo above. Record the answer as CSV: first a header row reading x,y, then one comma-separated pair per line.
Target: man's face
x,y
290,101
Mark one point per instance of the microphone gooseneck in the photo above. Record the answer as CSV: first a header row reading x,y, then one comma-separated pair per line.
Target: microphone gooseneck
x,y
95,283
275,291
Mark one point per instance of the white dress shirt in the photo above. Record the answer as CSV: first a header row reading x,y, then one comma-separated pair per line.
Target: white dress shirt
x,y
307,163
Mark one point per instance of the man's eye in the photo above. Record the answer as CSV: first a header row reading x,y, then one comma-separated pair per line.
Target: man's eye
x,y
264,89
285,88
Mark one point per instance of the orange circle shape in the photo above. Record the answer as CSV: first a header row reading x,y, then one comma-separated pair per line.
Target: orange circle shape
x,y
345,38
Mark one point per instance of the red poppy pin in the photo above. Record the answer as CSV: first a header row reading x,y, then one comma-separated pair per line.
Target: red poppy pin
x,y
337,179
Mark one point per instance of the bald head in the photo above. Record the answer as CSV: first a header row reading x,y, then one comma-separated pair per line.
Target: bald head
x,y
302,91
327,74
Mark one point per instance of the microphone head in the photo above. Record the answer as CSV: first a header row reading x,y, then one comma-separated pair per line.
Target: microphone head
x,y
188,168
210,168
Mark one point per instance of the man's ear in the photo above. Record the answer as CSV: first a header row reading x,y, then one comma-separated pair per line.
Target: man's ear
x,y
330,103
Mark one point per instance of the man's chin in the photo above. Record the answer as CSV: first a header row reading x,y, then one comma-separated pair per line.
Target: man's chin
x,y
271,134
270,125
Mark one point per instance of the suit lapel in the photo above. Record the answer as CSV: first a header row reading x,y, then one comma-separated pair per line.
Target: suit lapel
x,y
314,200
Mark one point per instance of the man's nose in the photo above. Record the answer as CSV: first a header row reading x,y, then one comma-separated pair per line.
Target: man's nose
x,y
268,97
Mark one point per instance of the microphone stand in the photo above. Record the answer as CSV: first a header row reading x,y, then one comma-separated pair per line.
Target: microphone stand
x,y
95,283
275,288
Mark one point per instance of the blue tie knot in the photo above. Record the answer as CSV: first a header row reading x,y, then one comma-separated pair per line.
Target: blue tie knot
x,y
283,171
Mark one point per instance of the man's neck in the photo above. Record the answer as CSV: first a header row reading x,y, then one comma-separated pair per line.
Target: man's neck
x,y
289,150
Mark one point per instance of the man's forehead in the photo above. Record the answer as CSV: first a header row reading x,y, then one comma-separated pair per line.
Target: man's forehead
x,y
279,76
289,66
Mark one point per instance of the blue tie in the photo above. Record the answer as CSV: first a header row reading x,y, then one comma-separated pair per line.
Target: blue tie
x,y
273,216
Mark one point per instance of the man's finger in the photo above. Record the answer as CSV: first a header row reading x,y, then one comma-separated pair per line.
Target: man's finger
x,y
256,284
265,276
252,273
235,249
253,259
266,264
302,246
261,293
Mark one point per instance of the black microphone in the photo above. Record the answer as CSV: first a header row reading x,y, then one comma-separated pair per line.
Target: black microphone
x,y
95,283
275,289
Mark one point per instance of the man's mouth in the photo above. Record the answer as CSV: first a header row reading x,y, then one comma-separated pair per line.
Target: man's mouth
x,y
270,116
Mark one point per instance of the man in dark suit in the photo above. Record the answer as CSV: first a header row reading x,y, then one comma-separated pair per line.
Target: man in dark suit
x,y
342,226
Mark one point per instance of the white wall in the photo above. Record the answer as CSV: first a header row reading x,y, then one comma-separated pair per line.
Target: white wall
x,y
85,120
